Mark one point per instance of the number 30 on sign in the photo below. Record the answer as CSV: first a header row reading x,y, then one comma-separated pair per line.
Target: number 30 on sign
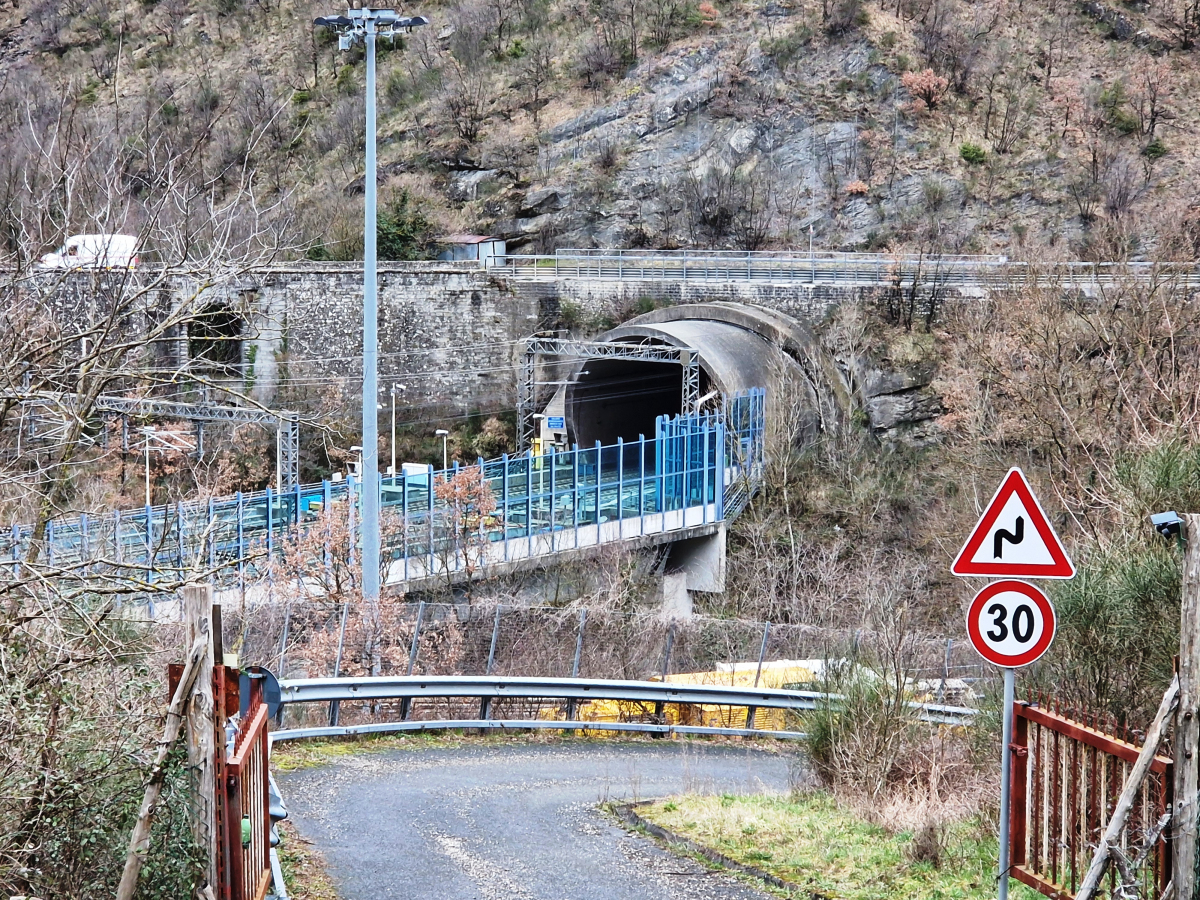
x,y
1011,623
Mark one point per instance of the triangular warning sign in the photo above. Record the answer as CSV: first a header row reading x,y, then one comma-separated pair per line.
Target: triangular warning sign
x,y
1013,538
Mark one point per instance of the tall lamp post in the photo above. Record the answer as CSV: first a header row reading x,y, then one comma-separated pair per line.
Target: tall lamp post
x,y
365,24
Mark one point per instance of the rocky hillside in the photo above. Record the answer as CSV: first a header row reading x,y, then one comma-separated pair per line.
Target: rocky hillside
x,y
1001,126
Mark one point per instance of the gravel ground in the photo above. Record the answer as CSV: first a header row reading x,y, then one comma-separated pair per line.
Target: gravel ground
x,y
517,821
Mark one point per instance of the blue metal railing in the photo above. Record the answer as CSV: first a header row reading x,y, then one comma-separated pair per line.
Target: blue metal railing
x,y
436,521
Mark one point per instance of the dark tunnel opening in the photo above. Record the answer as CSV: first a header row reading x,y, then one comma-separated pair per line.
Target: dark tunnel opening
x,y
619,398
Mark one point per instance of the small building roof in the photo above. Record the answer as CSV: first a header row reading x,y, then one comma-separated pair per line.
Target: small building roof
x,y
466,239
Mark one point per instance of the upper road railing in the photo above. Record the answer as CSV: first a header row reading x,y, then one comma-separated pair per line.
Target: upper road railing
x,y
862,269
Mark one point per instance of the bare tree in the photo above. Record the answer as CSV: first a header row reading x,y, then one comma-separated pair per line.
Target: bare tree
x,y
77,711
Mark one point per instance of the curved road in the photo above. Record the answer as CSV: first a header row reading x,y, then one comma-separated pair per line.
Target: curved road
x,y
518,821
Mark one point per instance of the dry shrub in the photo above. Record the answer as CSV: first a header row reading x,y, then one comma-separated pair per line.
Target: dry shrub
x,y
928,844
927,89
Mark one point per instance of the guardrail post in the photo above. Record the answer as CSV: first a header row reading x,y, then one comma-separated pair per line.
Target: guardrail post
x,y
575,664
406,703
666,667
762,653
485,706
335,705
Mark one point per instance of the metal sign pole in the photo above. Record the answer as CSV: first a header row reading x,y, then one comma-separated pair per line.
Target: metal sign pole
x,y
1005,777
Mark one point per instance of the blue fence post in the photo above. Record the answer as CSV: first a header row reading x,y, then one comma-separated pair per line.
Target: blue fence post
x,y
210,537
641,484
575,495
299,518
482,525
85,549
429,516
599,481
553,539
270,526
327,513
660,451
620,484
403,520
118,548
241,536
503,505
50,541
720,462
149,545
16,551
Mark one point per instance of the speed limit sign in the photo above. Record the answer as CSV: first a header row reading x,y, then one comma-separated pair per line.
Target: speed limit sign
x,y
1011,623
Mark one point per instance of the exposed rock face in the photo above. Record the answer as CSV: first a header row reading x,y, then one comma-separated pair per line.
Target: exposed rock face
x,y
698,141
889,374
1122,26
900,404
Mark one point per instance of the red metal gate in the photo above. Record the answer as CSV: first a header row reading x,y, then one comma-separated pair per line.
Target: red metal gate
x,y
1067,777
243,804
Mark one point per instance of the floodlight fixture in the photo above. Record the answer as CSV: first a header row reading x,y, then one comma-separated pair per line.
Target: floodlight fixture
x,y
1169,525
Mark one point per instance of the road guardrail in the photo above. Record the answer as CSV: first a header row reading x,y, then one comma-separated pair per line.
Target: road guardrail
x,y
571,690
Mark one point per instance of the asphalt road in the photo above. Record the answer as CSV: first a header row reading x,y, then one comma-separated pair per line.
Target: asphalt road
x,y
517,821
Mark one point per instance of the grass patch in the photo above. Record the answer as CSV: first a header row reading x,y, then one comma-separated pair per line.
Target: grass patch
x,y
291,756
816,844
303,867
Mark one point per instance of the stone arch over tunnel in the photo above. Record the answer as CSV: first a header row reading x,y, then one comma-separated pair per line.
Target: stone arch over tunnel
x,y
740,347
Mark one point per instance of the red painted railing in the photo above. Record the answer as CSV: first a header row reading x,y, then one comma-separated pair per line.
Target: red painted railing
x,y
243,804
1066,779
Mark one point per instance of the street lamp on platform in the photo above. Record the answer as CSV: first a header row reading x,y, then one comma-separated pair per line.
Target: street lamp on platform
x,y
443,434
364,25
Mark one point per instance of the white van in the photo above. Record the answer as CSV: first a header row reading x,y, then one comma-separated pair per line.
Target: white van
x,y
94,251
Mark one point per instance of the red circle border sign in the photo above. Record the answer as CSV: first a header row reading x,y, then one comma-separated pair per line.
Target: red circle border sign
x,y
1049,626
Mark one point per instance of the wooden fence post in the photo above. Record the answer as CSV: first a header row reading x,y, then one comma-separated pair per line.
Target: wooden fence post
x,y
201,727
1187,720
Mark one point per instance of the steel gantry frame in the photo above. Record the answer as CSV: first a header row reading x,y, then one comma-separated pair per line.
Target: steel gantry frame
x,y
535,347
286,422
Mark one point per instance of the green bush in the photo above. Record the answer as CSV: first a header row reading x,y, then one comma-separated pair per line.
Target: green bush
x,y
1114,100
972,154
862,739
403,231
1118,631
1156,149
787,47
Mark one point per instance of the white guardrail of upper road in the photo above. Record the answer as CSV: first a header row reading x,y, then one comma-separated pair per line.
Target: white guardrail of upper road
x,y
874,269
